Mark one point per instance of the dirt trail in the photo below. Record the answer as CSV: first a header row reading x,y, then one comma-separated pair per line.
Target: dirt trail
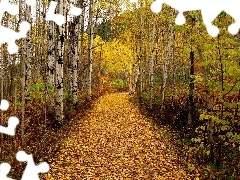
x,y
114,141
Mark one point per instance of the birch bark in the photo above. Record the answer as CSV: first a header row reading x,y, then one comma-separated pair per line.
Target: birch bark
x,y
90,45
59,66
152,62
166,62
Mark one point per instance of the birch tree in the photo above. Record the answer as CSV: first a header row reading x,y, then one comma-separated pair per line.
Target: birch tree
x,y
74,48
90,50
80,47
191,88
1,121
27,55
166,62
51,52
59,66
151,66
141,50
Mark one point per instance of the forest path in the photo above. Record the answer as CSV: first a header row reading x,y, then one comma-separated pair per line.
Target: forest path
x,y
115,141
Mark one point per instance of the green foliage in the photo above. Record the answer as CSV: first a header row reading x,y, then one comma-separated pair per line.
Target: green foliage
x,y
37,91
145,96
119,84
68,98
104,30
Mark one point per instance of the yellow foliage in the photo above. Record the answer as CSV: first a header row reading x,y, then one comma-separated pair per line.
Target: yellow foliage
x,y
115,56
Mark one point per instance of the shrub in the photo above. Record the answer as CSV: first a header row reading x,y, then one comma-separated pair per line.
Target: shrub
x,y
119,84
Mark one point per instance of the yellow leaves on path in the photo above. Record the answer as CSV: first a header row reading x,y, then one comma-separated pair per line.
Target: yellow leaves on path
x,y
115,141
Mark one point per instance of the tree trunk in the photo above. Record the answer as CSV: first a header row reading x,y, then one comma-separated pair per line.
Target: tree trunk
x,y
209,107
51,53
152,62
90,50
75,61
2,74
165,64
23,98
141,52
81,61
59,68
191,89
28,55
130,84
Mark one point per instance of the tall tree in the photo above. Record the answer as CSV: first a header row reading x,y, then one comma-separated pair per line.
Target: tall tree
x,y
141,49
166,61
74,29
90,50
151,66
59,65
51,52
28,54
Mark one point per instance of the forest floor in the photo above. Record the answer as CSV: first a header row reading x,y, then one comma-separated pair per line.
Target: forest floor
x,y
114,140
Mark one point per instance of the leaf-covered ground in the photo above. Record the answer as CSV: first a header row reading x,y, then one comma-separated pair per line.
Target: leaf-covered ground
x,y
115,141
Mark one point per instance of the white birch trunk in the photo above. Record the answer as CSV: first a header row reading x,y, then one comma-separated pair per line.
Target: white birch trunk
x,y
81,55
152,62
69,45
165,65
59,67
75,51
1,121
74,69
73,58
51,53
166,62
90,44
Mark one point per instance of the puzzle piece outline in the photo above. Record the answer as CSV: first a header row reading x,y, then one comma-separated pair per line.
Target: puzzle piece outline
x,y
73,11
209,10
5,6
8,35
30,2
11,128
5,105
59,19
31,171
52,16
4,170
12,36
12,121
